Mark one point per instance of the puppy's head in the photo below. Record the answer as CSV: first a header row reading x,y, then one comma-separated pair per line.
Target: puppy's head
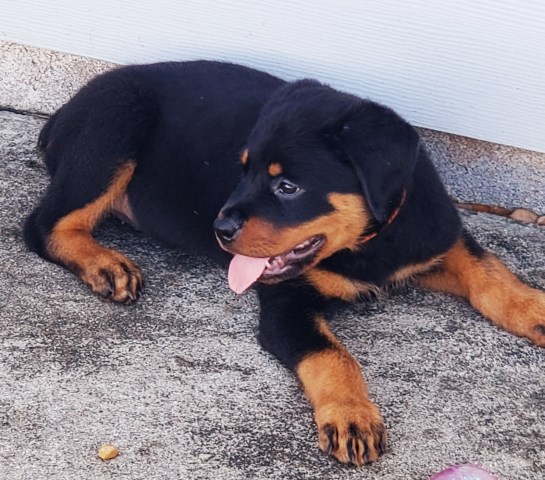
x,y
320,169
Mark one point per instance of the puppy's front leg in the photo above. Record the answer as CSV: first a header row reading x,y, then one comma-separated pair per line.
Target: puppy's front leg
x,y
350,426
471,272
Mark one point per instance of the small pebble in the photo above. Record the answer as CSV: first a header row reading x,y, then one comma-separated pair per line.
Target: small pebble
x,y
108,451
524,215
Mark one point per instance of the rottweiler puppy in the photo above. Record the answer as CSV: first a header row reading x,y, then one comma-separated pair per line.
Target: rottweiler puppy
x,y
312,195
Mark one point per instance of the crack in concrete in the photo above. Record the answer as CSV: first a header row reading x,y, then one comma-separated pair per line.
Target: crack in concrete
x,y
26,113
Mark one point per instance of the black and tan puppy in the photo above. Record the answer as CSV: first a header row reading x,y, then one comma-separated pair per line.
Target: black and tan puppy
x,y
318,195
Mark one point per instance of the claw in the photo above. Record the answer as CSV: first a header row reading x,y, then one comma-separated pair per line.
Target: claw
x,y
380,439
365,453
359,429
330,432
350,448
110,279
540,329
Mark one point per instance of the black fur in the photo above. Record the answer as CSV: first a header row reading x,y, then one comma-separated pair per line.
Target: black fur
x,y
287,326
186,125
472,246
427,225
383,149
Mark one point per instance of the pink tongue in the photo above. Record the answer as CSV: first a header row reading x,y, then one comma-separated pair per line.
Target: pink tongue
x,y
244,271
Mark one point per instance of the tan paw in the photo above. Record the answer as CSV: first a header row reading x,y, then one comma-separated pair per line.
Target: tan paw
x,y
112,275
520,310
352,432
529,317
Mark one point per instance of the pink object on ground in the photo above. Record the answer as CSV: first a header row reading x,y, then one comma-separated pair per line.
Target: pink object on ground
x,y
464,472
244,272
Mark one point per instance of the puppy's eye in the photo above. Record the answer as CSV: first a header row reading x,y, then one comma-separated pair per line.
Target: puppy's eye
x,y
287,188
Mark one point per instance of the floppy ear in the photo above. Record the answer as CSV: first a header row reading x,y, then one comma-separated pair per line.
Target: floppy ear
x,y
383,149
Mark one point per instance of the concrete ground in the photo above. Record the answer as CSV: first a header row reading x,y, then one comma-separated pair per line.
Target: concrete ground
x,y
180,385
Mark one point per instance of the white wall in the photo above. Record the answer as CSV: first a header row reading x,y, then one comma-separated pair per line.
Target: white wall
x,y
470,67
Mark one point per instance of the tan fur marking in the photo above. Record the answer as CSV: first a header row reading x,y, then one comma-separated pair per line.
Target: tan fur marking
x,y
244,157
323,328
333,285
275,169
342,229
493,290
408,272
71,243
335,387
443,281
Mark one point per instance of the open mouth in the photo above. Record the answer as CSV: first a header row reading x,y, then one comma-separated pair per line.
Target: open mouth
x,y
289,263
245,271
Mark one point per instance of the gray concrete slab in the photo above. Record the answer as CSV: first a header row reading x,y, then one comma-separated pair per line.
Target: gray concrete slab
x,y
41,80
180,385
488,173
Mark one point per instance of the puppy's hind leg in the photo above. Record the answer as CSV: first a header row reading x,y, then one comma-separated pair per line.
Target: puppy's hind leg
x,y
66,238
471,272
91,147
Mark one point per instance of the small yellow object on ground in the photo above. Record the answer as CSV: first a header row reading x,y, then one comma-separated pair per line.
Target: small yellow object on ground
x,y
108,451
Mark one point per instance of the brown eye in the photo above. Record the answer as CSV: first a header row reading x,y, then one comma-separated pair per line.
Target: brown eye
x,y
287,188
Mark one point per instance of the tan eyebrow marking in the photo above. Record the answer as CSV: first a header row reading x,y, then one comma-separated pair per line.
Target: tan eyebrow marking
x,y
275,169
244,157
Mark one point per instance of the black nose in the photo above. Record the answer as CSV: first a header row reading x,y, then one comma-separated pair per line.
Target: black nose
x,y
228,227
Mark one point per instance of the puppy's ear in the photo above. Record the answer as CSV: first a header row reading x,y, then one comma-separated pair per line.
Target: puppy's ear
x,y
383,148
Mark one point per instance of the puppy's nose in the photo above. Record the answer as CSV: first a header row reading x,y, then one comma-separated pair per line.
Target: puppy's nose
x,y
228,227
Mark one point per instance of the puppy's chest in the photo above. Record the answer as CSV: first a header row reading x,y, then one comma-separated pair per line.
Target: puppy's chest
x,y
351,284
336,285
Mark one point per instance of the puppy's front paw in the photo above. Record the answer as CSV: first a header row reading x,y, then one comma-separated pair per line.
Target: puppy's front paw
x,y
352,432
112,275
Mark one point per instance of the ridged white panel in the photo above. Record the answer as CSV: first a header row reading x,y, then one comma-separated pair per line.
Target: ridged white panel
x,y
471,67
